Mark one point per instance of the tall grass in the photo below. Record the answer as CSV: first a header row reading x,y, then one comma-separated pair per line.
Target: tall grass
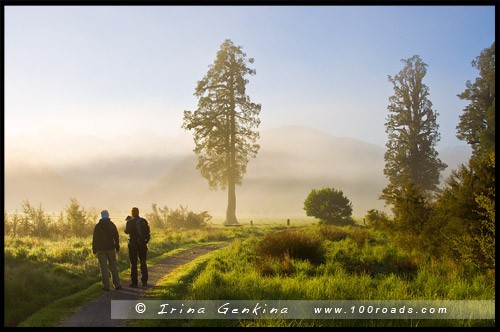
x,y
363,265
38,271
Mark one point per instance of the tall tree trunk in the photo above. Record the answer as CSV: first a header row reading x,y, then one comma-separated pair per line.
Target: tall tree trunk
x,y
231,181
231,204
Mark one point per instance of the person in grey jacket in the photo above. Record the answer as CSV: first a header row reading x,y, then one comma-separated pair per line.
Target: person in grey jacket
x,y
104,243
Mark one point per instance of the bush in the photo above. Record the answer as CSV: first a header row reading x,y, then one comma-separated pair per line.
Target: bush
x,y
291,244
359,236
332,233
79,221
158,218
465,211
330,206
378,220
182,218
32,222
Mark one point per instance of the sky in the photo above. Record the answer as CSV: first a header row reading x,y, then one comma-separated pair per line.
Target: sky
x,y
106,70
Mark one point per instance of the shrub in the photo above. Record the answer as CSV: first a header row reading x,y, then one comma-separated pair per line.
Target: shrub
x,y
294,244
359,236
332,233
330,206
465,210
32,222
158,218
378,220
79,221
283,266
182,218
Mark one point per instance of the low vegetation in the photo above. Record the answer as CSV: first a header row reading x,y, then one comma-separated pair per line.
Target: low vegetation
x,y
38,271
358,265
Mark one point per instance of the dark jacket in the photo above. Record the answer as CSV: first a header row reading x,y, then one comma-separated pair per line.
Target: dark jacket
x,y
138,230
105,236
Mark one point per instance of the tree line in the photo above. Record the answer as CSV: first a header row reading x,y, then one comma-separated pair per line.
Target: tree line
x,y
76,220
34,221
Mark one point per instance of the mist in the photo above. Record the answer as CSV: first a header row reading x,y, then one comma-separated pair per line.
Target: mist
x,y
140,168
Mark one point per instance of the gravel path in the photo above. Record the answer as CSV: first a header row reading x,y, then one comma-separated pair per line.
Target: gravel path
x,y
98,311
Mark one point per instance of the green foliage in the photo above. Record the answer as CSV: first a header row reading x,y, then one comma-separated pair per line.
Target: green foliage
x,y
477,122
359,236
41,270
224,123
73,221
33,222
412,133
79,221
181,218
465,211
291,244
330,206
379,271
378,220
224,118
158,218
332,233
412,211
11,225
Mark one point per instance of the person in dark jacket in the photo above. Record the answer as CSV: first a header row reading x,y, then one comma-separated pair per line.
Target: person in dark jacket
x,y
104,243
138,230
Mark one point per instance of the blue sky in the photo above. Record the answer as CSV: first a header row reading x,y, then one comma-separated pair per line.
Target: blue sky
x,y
107,70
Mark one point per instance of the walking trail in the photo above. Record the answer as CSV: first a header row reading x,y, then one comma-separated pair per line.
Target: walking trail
x,y
98,311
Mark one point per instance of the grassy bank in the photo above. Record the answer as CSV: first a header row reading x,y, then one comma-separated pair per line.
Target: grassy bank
x,y
357,265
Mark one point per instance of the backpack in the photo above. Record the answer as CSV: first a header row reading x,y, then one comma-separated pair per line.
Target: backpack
x,y
143,230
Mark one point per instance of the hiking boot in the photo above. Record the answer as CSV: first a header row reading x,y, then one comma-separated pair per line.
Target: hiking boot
x,y
144,284
133,285
105,289
118,287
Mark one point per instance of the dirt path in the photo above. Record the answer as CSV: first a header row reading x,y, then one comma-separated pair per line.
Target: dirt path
x,y
98,311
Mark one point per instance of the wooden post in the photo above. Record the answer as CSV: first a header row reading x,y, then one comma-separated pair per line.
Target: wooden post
x,y
288,222
251,223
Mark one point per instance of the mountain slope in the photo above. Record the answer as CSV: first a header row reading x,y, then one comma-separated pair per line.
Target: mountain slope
x,y
28,177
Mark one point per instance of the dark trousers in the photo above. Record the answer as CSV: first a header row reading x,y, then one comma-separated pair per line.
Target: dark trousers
x,y
138,251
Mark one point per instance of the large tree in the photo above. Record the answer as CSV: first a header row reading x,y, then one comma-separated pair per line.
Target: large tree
x,y
477,122
224,123
412,134
465,209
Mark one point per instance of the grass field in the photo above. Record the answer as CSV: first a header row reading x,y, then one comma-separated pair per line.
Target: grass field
x,y
39,271
356,264
356,267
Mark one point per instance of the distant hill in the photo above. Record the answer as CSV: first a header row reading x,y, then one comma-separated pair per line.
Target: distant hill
x,y
28,177
54,165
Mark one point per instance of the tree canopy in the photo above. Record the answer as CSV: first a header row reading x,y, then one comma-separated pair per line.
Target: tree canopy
x,y
412,132
329,205
477,122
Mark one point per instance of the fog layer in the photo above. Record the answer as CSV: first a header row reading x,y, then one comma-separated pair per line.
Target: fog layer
x,y
140,168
